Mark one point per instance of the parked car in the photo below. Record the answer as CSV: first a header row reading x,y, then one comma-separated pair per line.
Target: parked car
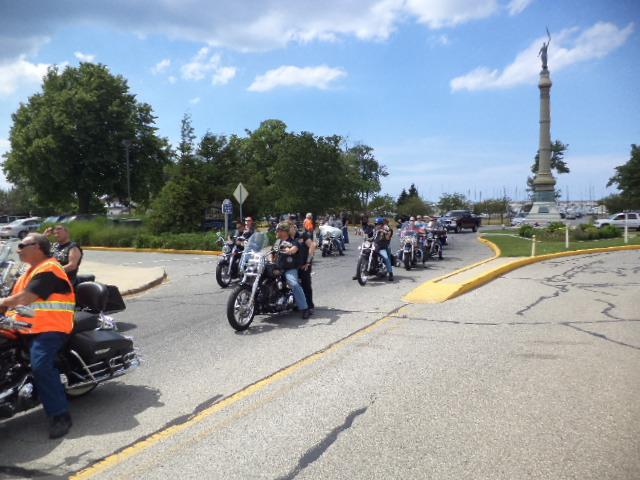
x,y
456,220
518,219
54,219
618,220
5,219
81,217
20,228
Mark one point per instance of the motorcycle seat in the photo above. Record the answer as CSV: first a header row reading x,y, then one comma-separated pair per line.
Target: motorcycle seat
x,y
92,296
84,321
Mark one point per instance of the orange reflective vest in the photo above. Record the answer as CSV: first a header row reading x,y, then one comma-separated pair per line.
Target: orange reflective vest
x,y
55,314
308,225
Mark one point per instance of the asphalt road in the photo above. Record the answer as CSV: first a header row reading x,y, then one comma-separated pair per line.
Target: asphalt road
x,y
532,376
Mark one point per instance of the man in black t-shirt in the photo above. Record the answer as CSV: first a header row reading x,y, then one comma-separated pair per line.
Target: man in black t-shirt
x,y
306,249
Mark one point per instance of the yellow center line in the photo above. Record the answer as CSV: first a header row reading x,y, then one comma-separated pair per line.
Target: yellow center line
x,y
137,447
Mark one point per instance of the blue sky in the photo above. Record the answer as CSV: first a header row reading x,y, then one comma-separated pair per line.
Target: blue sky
x,y
444,90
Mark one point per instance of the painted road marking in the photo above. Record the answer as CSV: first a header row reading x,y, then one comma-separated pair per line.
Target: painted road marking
x,y
138,447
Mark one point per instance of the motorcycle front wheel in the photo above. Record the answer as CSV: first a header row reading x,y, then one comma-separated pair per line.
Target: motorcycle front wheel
x,y
361,272
240,309
81,392
222,276
407,262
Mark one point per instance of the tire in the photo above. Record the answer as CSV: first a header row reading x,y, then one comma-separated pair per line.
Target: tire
x,y
22,234
407,262
458,229
438,250
324,252
238,319
71,394
222,277
361,271
474,229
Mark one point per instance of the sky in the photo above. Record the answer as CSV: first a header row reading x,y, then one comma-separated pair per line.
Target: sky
x,y
445,91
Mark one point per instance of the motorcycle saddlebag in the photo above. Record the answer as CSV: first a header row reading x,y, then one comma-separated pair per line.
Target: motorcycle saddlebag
x,y
97,345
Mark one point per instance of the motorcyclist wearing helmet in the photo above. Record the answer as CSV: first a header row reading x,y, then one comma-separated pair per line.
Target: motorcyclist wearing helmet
x,y
382,237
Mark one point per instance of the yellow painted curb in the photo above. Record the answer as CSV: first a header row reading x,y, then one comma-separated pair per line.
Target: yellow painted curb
x,y
154,250
434,291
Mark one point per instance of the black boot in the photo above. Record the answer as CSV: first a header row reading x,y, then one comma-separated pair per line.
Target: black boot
x,y
391,277
59,425
305,314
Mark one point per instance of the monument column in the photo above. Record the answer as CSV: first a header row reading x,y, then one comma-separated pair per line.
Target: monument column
x,y
545,208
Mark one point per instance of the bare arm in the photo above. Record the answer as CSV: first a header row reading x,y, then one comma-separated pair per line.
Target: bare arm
x,y
74,260
23,298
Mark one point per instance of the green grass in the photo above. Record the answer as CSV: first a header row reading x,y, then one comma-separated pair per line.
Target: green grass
x,y
514,246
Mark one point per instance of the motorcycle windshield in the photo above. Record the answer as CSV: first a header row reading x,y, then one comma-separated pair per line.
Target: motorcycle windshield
x,y
408,231
257,242
327,230
8,251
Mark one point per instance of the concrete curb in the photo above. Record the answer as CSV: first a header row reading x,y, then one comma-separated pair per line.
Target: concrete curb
x,y
146,286
439,291
153,250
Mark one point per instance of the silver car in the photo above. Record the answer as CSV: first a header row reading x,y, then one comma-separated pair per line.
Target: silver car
x,y
20,228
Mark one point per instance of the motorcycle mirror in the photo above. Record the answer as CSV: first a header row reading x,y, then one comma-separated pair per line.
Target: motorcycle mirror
x,y
24,311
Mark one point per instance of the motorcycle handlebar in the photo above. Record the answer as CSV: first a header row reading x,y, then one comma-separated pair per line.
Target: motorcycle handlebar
x,y
11,324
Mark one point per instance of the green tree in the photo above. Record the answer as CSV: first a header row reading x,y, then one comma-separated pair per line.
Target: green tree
x,y
413,191
402,197
557,163
615,203
627,180
414,205
367,173
181,204
452,201
382,205
66,141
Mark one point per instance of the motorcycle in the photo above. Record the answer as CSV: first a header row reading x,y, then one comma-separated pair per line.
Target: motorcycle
x,y
262,289
410,252
329,240
95,352
370,263
227,269
434,244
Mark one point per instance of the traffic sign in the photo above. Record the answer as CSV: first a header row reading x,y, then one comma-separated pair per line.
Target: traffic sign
x,y
227,206
240,193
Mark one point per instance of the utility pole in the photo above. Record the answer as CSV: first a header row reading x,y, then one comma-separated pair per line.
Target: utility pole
x,y
127,145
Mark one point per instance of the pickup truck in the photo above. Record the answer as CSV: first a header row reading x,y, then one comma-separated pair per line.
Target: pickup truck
x,y
617,220
456,220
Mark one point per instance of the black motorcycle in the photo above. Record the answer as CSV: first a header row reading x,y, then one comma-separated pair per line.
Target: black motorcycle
x,y
434,245
95,352
228,269
262,289
370,263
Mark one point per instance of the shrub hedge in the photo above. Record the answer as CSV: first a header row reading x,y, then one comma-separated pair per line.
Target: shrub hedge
x,y
556,232
102,233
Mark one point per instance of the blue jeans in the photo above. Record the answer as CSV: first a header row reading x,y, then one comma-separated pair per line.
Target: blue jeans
x,y
44,351
345,234
298,294
387,260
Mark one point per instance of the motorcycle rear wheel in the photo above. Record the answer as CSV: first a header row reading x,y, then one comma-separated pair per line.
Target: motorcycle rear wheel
x,y
239,313
361,272
222,276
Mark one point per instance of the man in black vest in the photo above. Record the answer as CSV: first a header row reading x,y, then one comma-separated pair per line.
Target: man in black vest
x,y
67,252
306,249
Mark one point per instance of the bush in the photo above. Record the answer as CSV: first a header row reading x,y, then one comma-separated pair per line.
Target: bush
x,y
586,232
555,226
526,231
609,232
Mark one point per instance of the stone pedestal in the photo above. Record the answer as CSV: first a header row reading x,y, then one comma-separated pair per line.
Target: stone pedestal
x,y
545,208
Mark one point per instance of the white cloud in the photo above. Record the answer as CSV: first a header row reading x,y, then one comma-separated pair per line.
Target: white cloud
x,y
250,25
516,7
84,57
447,13
161,66
203,64
194,101
16,73
566,48
290,76
172,79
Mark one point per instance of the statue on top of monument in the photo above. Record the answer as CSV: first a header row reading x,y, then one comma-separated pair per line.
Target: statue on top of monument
x,y
543,51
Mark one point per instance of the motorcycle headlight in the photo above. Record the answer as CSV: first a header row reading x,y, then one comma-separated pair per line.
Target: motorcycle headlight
x,y
226,249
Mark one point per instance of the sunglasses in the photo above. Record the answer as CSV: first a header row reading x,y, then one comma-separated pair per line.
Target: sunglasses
x,y
24,245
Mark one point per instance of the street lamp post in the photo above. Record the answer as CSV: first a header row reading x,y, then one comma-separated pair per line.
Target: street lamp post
x,y
127,145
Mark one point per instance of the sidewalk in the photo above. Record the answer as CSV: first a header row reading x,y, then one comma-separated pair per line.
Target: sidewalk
x,y
473,276
129,280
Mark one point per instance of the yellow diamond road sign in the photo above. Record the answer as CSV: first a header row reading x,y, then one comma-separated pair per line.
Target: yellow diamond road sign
x,y
240,193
